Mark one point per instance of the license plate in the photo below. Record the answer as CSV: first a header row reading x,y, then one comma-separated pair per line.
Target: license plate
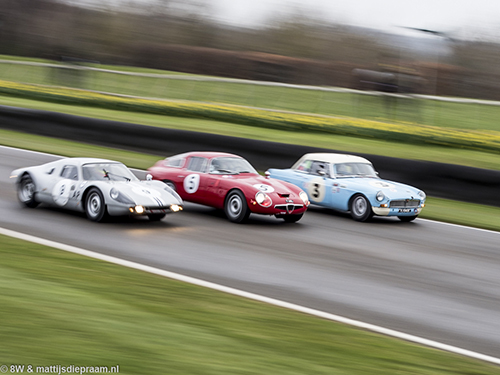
x,y
405,210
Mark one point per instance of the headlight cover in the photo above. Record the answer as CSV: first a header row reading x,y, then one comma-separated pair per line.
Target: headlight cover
x,y
380,196
304,197
263,199
120,197
421,194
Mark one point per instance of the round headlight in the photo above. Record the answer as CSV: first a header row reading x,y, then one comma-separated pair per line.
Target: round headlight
x,y
304,197
380,196
421,194
263,199
114,193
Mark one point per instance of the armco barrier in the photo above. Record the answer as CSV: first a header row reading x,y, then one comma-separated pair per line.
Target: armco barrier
x,y
436,179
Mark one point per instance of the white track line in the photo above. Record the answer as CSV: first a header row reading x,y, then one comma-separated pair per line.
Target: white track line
x,y
256,297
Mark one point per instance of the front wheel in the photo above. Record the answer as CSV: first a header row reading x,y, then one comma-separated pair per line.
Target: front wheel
x,y
360,208
292,218
407,219
236,208
170,184
95,207
26,191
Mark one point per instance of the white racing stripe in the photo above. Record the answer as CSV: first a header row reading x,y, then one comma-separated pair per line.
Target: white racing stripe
x,y
256,297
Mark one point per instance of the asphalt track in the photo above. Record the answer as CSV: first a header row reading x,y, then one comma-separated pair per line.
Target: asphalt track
x,y
428,279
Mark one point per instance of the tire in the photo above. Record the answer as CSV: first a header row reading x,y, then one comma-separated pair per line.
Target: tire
x,y
26,191
360,208
95,206
235,207
156,217
292,218
170,184
407,219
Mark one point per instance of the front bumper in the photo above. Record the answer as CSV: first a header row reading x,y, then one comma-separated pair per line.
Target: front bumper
x,y
143,210
396,211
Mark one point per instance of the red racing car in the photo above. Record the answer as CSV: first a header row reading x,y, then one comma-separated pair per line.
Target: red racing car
x,y
229,182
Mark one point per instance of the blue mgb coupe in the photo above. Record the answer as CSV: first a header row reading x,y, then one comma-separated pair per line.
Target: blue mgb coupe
x,y
349,183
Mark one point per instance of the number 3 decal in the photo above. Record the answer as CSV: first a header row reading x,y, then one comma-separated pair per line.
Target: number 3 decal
x,y
316,189
192,183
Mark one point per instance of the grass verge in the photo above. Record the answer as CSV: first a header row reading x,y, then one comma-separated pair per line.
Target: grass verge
x,y
62,308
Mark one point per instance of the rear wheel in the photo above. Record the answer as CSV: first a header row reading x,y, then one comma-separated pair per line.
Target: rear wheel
x,y
360,208
95,207
26,191
407,219
235,207
292,218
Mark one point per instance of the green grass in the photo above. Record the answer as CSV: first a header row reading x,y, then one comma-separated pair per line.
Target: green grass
x,y
348,144
61,308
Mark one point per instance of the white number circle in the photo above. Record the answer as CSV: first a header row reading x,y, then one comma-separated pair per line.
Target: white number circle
x,y
61,192
316,189
192,183
264,188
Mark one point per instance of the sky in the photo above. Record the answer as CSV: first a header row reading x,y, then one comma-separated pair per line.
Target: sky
x,y
459,17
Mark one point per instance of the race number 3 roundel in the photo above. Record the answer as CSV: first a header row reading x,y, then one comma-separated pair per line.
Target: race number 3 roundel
x,y
192,183
316,189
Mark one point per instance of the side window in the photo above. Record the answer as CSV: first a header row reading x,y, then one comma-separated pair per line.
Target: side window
x,y
69,171
320,168
305,166
174,162
197,164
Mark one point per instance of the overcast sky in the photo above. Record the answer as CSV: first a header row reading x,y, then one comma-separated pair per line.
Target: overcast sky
x,y
463,17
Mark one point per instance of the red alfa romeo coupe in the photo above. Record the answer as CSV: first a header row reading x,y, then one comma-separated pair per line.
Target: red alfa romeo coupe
x,y
229,182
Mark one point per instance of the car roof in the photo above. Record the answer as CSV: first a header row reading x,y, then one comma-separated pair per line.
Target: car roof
x,y
81,161
334,158
205,154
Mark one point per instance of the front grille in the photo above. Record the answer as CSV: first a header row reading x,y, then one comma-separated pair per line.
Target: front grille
x,y
289,208
405,203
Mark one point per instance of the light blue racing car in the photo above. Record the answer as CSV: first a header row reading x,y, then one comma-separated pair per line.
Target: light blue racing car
x,y
349,183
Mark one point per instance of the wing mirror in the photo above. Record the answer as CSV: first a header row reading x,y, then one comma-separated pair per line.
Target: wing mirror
x,y
268,174
149,177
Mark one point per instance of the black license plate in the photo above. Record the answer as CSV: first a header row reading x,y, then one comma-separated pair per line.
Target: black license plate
x,y
405,210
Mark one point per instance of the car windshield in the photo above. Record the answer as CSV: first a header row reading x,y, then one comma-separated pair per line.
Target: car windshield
x,y
231,165
355,170
107,172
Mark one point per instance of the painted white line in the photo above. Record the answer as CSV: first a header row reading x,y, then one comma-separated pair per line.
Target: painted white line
x,y
252,296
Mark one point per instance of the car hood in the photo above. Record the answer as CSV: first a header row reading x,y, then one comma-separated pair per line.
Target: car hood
x,y
372,185
146,193
267,185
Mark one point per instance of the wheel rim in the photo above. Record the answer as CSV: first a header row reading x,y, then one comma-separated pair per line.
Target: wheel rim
x,y
235,205
359,206
94,205
27,190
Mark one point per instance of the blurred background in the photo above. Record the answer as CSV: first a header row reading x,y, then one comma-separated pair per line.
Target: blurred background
x,y
271,41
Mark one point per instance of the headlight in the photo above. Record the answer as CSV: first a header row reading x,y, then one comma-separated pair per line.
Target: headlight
x,y
421,194
304,197
120,197
380,196
263,199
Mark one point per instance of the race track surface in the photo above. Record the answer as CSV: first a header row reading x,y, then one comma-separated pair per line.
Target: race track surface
x,y
428,279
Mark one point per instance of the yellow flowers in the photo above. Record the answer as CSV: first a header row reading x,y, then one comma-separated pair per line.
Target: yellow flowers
x,y
408,133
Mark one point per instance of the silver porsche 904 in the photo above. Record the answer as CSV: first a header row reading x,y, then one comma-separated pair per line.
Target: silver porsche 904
x,y
98,187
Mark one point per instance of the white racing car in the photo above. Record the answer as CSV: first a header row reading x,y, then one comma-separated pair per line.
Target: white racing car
x,y
97,187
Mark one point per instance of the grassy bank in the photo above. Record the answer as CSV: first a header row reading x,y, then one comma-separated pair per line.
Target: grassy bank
x,y
61,308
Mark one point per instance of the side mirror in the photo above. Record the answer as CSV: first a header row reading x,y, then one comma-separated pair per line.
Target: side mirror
x,y
268,174
149,177
322,173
